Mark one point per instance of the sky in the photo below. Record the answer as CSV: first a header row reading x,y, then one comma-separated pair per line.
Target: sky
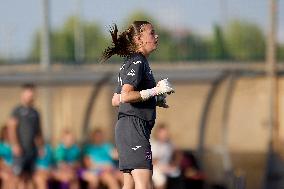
x,y
20,19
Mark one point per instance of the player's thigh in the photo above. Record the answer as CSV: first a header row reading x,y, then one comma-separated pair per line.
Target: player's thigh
x,y
142,178
128,182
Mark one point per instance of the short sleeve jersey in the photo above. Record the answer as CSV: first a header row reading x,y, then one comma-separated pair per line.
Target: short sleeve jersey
x,y
137,72
100,154
28,126
67,154
46,160
6,153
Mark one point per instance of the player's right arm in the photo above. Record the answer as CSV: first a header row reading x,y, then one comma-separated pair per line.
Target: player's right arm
x,y
130,80
134,74
129,95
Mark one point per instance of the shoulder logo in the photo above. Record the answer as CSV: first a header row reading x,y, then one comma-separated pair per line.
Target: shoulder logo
x,y
137,62
132,72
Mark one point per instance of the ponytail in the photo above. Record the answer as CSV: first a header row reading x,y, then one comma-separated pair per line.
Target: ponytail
x,y
123,44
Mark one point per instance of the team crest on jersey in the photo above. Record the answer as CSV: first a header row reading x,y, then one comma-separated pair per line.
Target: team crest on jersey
x,y
137,62
132,72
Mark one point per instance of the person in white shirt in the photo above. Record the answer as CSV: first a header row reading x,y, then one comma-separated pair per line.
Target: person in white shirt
x,y
162,151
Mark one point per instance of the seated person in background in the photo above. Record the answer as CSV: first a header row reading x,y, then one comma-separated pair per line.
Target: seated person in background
x,y
6,161
44,163
98,160
194,177
162,152
67,157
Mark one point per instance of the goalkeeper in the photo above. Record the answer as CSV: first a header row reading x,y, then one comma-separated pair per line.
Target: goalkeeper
x,y
137,96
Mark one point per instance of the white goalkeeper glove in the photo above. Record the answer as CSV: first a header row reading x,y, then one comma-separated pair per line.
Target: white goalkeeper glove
x,y
163,87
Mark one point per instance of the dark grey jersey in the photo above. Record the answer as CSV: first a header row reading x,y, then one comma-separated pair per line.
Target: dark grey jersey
x,y
136,72
28,126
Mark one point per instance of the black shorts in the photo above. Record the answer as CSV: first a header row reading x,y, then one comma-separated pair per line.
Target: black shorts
x,y
132,136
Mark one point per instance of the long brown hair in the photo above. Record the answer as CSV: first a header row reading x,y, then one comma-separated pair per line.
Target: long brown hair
x,y
123,44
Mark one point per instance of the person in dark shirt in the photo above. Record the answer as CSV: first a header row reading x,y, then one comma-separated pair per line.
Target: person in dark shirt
x,y
24,129
137,96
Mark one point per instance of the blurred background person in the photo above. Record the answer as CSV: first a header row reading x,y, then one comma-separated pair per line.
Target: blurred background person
x,y
44,163
6,160
163,150
192,176
98,160
24,127
67,157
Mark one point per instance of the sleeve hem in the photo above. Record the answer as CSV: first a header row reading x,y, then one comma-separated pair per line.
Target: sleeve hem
x,y
131,83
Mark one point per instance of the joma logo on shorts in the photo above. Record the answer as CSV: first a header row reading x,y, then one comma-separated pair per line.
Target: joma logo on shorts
x,y
136,148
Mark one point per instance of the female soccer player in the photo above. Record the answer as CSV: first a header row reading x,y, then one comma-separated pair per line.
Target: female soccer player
x,y
135,97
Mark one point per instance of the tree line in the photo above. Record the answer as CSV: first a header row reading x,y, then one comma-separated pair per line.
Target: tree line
x,y
237,41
